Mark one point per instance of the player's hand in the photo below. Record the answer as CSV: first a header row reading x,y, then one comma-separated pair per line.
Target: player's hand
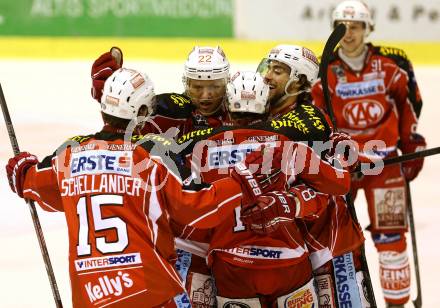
x,y
16,170
271,210
258,173
345,150
102,68
412,168
266,165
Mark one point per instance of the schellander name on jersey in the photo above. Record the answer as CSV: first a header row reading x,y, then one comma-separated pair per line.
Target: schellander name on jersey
x,y
105,183
359,89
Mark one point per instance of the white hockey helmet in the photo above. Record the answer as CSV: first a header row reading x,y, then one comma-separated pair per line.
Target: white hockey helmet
x,y
300,60
247,92
353,10
206,63
125,91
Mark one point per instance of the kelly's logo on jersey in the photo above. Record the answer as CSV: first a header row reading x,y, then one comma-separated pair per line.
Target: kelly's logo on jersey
x,y
363,113
360,89
101,161
108,285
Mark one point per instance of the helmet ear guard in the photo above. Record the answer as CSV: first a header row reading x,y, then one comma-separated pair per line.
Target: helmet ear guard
x,y
247,93
125,91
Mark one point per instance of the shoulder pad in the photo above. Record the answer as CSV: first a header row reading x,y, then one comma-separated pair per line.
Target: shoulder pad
x,y
74,141
304,123
173,105
396,54
80,139
391,52
149,140
196,134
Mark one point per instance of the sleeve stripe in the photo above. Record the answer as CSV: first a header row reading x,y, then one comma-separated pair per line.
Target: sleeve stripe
x,y
39,199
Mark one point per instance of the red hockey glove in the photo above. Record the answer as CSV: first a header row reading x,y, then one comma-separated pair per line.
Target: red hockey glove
x,y
345,150
271,211
16,170
412,168
267,162
260,166
102,68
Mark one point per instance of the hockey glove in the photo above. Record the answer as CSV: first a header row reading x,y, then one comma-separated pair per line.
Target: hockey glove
x,y
16,170
412,168
254,170
271,211
344,150
266,165
102,68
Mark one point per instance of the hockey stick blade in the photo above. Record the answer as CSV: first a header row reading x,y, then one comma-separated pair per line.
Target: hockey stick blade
x,y
333,40
34,214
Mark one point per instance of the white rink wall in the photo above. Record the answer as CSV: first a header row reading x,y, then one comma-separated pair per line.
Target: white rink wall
x,y
50,101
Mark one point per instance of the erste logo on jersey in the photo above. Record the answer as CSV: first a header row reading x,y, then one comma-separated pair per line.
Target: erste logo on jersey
x,y
101,161
363,113
360,89
228,155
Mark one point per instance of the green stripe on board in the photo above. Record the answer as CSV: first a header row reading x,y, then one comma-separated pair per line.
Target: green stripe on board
x,y
166,49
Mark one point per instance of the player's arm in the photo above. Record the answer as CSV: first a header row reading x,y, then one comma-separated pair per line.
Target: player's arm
x,y
318,173
198,205
402,61
277,208
406,94
35,180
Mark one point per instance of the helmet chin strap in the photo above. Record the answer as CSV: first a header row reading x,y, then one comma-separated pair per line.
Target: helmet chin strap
x,y
287,94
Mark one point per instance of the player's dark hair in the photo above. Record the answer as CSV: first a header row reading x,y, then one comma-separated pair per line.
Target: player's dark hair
x,y
118,122
305,97
115,121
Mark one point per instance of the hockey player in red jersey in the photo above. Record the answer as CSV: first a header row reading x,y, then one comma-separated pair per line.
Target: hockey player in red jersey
x,y
206,73
118,192
251,268
375,96
290,71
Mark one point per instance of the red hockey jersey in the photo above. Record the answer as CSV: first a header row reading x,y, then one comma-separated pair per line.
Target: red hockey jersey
x,y
382,102
118,198
231,241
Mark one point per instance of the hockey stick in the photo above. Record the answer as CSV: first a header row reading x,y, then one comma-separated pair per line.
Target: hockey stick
x,y
405,157
418,301
34,214
337,34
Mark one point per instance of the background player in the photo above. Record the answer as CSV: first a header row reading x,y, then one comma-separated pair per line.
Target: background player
x,y
375,96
